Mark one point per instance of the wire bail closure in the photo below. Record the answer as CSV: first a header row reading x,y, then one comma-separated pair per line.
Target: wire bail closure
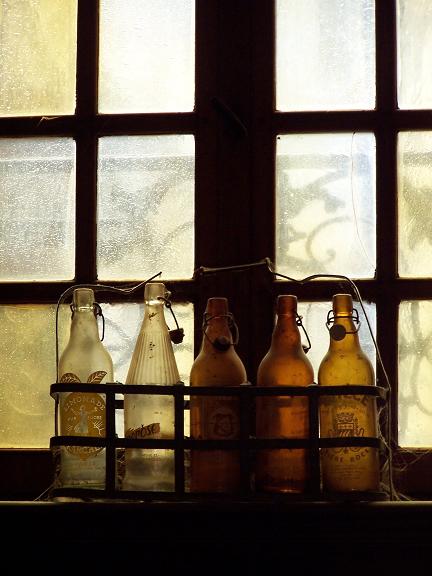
x,y
97,310
221,342
300,323
177,334
337,331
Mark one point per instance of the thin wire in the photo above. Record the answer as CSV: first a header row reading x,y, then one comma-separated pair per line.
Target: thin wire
x,y
126,290
270,266
378,353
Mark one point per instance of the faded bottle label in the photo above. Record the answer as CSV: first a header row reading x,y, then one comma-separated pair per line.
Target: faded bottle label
x,y
83,414
349,467
216,418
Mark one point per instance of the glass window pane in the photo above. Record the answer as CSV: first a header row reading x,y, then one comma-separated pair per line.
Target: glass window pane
x,y
146,207
37,209
28,360
325,55
37,57
325,205
414,200
414,37
314,317
147,56
415,374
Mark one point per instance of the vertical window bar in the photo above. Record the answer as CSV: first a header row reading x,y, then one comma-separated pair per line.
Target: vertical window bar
x,y
386,158
86,140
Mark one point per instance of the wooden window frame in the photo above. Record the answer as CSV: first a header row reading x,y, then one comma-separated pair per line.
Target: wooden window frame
x,y
235,126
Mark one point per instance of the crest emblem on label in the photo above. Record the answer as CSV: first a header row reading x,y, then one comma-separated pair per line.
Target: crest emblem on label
x,y
83,414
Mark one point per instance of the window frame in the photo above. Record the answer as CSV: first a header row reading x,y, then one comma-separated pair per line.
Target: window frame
x,y
235,125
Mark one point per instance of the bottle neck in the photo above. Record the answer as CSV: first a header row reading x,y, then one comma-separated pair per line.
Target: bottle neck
x,y
84,324
344,341
154,316
286,333
217,336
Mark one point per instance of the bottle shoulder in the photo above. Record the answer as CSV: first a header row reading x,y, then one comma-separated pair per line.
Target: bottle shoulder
x,y
352,367
217,368
289,369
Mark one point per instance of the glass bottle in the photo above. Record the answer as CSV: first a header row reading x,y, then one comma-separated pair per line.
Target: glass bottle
x,y
85,359
348,469
216,417
285,364
151,416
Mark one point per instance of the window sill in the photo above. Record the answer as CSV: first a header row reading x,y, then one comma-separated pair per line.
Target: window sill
x,y
252,535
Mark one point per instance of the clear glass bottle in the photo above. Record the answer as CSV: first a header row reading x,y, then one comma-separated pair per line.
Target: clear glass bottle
x,y
348,469
216,417
151,416
285,364
85,359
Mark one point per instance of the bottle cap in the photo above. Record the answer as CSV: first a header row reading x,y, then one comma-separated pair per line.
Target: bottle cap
x,y
154,291
217,306
286,304
343,304
83,297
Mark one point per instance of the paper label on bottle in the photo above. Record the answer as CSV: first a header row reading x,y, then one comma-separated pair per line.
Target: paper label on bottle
x,y
83,414
349,467
148,431
347,418
219,418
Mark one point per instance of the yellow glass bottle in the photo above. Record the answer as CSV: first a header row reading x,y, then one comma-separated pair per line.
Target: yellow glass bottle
x,y
347,469
285,364
216,417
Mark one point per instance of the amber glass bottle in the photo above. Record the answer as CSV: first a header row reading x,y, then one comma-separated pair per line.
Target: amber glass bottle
x,y
285,364
216,417
348,469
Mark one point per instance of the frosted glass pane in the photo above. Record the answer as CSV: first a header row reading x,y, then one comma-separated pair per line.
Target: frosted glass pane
x,y
147,56
146,207
37,57
37,209
415,374
314,317
414,201
28,361
325,55
325,205
414,40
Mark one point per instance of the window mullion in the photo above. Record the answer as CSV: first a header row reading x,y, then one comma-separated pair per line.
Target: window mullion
x,y
86,140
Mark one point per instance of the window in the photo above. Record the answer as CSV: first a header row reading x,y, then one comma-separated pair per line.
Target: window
x,y
188,136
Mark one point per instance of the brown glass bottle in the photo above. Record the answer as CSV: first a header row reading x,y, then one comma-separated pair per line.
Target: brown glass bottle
x,y
216,417
285,364
348,469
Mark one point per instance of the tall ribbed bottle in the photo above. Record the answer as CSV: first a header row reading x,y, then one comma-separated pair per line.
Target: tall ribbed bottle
x,y
285,364
151,416
348,469
85,359
216,417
